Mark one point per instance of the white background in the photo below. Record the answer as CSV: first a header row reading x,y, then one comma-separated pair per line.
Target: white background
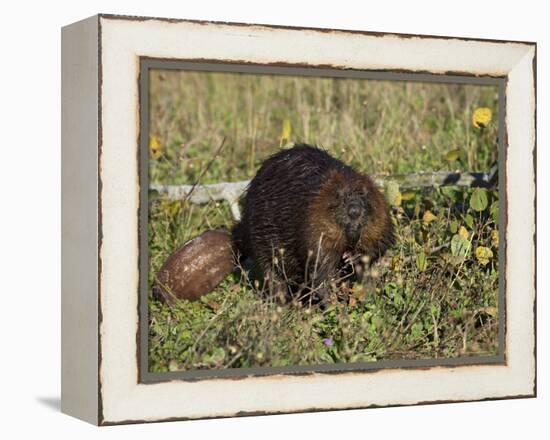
x,y
30,217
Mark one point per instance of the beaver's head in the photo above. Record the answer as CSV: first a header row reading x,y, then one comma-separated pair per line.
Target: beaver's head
x,y
351,213
351,210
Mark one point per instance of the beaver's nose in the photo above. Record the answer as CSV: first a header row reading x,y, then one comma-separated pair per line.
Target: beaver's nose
x,y
354,211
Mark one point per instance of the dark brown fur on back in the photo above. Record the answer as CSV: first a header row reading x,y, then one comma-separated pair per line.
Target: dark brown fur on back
x,y
303,212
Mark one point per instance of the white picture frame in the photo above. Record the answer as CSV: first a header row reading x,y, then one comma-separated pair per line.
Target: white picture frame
x,y
101,380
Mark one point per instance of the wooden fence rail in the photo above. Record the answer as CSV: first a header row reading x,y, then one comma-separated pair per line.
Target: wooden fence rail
x,y
231,191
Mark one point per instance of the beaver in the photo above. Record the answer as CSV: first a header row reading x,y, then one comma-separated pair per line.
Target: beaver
x,y
307,218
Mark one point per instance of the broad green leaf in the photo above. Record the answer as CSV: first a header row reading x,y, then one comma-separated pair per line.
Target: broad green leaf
x,y
416,329
448,191
479,201
454,227
460,246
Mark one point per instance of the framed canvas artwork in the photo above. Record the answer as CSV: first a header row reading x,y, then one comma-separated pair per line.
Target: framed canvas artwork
x,y
263,219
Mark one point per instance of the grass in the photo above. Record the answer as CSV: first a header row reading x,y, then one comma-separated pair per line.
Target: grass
x,y
435,294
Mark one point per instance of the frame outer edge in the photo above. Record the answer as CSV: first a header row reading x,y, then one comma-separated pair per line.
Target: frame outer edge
x,y
535,201
80,220
236,24
108,420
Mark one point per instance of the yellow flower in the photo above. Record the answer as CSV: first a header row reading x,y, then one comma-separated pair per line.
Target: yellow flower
x,y
428,217
155,149
494,238
407,195
491,311
396,262
463,232
481,117
171,207
453,155
483,255
286,131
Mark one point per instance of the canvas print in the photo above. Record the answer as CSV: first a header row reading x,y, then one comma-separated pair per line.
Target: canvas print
x,y
298,220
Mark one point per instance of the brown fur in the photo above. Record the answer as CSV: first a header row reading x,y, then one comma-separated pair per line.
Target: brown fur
x,y
321,217
312,215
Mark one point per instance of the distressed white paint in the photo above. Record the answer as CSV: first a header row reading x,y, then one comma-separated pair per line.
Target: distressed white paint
x,y
79,220
122,43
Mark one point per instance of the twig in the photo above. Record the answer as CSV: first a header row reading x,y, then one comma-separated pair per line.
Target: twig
x,y
204,171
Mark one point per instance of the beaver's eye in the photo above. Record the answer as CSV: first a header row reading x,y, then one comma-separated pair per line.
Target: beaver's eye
x,y
334,204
